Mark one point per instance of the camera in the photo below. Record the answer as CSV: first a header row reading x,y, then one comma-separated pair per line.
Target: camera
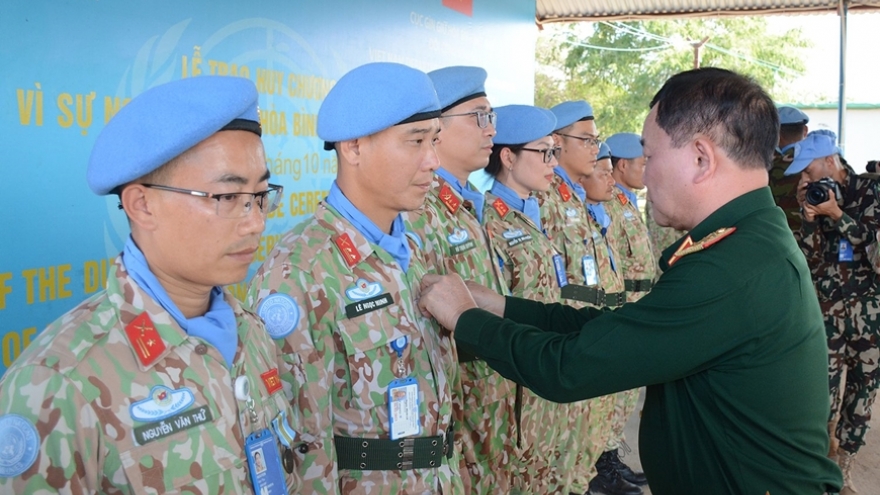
x,y
817,192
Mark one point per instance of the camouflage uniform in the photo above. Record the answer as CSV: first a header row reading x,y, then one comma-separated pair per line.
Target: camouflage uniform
x,y
485,432
83,384
340,361
660,237
848,293
629,235
585,432
784,188
525,257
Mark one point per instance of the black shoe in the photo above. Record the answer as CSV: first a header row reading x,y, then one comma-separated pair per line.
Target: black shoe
x,y
635,477
609,482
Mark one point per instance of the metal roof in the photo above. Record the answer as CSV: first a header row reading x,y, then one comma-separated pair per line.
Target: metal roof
x,y
587,10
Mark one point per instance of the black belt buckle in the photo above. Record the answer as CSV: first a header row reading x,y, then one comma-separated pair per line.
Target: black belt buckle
x,y
407,453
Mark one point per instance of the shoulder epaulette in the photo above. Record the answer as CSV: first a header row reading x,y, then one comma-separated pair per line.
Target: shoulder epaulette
x,y
688,246
564,191
348,249
449,199
501,207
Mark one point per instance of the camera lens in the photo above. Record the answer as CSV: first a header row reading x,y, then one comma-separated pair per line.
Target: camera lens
x,y
816,193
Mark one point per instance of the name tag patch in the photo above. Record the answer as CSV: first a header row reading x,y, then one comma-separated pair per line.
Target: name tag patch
x,y
183,421
367,305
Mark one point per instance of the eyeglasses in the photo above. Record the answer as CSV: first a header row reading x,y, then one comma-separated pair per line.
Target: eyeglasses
x,y
234,205
549,153
483,118
588,141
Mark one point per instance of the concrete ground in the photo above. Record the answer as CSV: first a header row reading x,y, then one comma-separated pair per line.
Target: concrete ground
x,y
866,475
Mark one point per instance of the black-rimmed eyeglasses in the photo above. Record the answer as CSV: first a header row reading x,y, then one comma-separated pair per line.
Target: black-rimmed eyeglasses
x,y
549,153
588,140
483,118
234,205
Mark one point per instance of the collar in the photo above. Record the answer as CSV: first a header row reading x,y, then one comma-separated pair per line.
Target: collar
x,y
395,243
727,216
577,188
529,206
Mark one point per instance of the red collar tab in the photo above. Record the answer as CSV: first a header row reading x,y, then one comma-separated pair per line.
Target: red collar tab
x,y
145,339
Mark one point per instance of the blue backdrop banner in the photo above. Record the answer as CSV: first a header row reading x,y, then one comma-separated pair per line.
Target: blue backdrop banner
x,y
69,66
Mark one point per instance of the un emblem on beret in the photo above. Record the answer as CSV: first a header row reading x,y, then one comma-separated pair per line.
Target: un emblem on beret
x,y
280,314
19,444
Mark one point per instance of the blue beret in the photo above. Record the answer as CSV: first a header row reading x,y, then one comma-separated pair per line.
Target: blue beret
x,y
374,97
625,145
521,124
791,115
458,84
813,146
569,112
166,120
604,151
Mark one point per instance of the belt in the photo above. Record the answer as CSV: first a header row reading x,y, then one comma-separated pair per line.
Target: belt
x,y
593,295
641,285
374,454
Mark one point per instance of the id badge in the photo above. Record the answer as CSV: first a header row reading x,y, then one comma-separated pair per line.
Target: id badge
x,y
559,265
845,251
591,272
403,408
265,466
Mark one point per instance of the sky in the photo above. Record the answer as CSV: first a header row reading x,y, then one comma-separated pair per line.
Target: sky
x,y
823,68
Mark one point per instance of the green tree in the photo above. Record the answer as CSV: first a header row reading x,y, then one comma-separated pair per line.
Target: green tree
x,y
618,66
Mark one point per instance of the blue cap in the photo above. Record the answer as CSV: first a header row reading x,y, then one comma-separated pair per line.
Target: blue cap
x,y
166,120
604,151
825,132
791,115
569,112
813,146
625,145
374,97
458,84
521,124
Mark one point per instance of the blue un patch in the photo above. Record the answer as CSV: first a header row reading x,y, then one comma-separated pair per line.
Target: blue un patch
x,y
19,445
280,313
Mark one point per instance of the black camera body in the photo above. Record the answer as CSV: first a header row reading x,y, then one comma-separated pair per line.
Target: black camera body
x,y
817,192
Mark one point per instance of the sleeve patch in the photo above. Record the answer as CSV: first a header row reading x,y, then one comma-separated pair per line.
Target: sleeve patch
x,y
19,445
280,314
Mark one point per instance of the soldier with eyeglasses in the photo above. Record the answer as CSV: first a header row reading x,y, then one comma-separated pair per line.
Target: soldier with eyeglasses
x,y
163,381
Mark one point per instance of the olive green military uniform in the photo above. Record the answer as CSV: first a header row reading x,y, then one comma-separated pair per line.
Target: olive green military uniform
x,y
350,304
848,289
525,257
114,397
486,431
737,400
785,187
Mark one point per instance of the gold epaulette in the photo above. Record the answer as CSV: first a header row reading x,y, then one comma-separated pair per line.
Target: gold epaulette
x,y
688,246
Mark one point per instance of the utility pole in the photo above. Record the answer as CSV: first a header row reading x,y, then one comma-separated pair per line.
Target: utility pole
x,y
697,45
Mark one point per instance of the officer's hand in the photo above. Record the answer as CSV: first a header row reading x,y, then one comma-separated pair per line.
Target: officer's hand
x,y
828,209
445,297
487,298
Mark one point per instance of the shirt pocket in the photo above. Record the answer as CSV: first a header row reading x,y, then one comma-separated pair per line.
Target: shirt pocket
x,y
185,462
371,363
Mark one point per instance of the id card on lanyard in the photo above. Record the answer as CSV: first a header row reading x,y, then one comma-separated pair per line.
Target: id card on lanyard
x,y
403,398
844,250
265,465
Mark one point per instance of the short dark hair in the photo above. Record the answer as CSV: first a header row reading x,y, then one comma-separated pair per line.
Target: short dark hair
x,y
732,109
494,166
791,133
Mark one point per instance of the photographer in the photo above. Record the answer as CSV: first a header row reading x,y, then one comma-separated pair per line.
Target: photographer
x,y
840,217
